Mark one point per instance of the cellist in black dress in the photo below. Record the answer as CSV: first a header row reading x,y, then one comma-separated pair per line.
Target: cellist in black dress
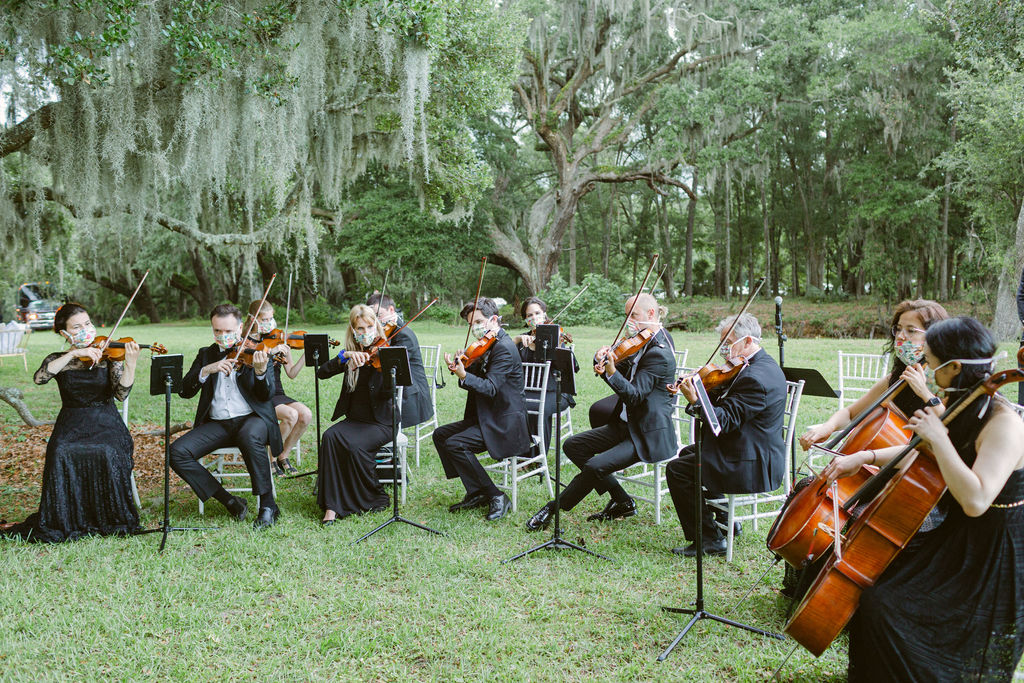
x,y
86,486
950,607
348,467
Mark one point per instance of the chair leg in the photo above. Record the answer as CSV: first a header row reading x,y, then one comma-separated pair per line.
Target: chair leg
x,y
730,536
404,463
659,472
515,483
135,492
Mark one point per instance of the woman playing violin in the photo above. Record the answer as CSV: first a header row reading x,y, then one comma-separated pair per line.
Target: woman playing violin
x,y
910,320
951,607
348,467
293,415
86,485
534,312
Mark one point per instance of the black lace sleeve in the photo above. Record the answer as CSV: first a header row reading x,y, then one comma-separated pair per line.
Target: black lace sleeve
x,y
43,375
114,374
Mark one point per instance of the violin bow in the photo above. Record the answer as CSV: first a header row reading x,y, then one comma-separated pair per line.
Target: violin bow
x,y
412,318
241,342
288,308
383,287
736,318
126,307
564,308
476,299
654,259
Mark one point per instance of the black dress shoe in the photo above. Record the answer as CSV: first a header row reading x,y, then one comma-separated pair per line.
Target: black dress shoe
x,y
687,551
238,508
498,507
266,518
717,547
541,518
477,500
614,510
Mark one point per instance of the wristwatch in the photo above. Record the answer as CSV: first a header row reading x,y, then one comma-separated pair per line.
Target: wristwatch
x,y
934,401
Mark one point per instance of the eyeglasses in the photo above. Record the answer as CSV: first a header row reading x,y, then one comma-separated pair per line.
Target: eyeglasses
x,y
905,331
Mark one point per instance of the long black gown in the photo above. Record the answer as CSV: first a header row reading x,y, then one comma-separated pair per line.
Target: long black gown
x,y
950,608
87,475
348,467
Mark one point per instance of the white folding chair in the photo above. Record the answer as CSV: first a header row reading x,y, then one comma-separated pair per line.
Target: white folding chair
x,y
762,505
858,372
385,469
13,343
432,366
516,469
135,489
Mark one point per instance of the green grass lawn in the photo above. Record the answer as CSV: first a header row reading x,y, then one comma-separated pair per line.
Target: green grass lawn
x,y
300,602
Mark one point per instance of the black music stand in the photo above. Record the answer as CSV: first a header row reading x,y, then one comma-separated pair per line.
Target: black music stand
x,y
560,364
814,385
394,361
316,352
164,378
698,611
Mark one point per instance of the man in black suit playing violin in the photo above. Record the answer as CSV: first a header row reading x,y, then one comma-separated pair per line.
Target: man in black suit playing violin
x,y
234,410
748,455
640,428
495,415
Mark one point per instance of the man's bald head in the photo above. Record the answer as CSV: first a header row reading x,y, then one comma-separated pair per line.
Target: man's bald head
x,y
646,308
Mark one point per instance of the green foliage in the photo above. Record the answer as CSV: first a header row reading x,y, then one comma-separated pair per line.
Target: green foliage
x,y
601,304
322,313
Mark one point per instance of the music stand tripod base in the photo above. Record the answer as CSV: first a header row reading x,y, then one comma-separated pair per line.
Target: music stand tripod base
x,y
556,542
698,612
394,360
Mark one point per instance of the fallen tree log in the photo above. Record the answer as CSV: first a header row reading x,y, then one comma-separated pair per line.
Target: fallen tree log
x,y
14,397
175,428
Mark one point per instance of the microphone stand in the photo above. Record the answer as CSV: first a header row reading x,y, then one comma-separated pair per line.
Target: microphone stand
x,y
778,331
556,542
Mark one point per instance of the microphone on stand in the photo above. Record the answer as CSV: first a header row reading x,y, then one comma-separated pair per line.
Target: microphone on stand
x,y
778,330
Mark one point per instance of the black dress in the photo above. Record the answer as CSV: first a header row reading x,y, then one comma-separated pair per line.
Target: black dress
x,y
280,398
952,607
87,475
348,467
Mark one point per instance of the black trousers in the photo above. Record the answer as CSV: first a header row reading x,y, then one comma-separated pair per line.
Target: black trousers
x,y
457,444
681,476
599,453
247,433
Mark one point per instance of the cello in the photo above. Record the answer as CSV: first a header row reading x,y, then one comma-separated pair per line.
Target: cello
x,y
901,495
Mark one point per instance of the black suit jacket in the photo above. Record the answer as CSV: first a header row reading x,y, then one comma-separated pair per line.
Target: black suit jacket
x,y
748,456
380,391
256,392
646,398
497,401
416,404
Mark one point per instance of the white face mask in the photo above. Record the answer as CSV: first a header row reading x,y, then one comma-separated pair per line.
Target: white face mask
x,y
933,385
479,329
632,327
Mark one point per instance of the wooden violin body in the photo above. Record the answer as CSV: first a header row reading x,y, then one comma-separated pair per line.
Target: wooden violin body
x,y
295,340
475,351
115,350
802,531
627,347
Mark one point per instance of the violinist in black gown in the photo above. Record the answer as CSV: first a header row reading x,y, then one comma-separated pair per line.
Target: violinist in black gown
x,y
951,607
416,404
348,482
495,416
641,425
534,312
86,486
748,455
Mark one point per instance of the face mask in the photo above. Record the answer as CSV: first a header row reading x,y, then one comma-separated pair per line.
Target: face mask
x,y
532,322
366,338
633,327
908,352
479,330
267,326
933,386
388,318
82,337
226,340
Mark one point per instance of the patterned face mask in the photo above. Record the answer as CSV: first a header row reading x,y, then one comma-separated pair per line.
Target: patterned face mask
x,y
227,340
632,327
908,352
364,339
81,338
479,329
266,326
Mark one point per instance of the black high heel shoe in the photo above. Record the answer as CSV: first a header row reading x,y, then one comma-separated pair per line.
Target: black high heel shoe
x,y
286,467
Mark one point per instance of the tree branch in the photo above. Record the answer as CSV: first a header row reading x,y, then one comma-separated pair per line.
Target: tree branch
x,y
14,396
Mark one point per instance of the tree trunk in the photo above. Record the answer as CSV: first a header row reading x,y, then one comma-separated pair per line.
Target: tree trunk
x,y
1006,324
691,217
572,251
609,221
14,396
727,241
143,300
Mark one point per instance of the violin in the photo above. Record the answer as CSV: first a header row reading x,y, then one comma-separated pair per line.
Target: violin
x,y
474,351
714,376
295,340
250,347
626,347
115,350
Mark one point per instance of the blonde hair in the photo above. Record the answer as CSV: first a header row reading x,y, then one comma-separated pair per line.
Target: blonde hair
x,y
358,312
255,310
